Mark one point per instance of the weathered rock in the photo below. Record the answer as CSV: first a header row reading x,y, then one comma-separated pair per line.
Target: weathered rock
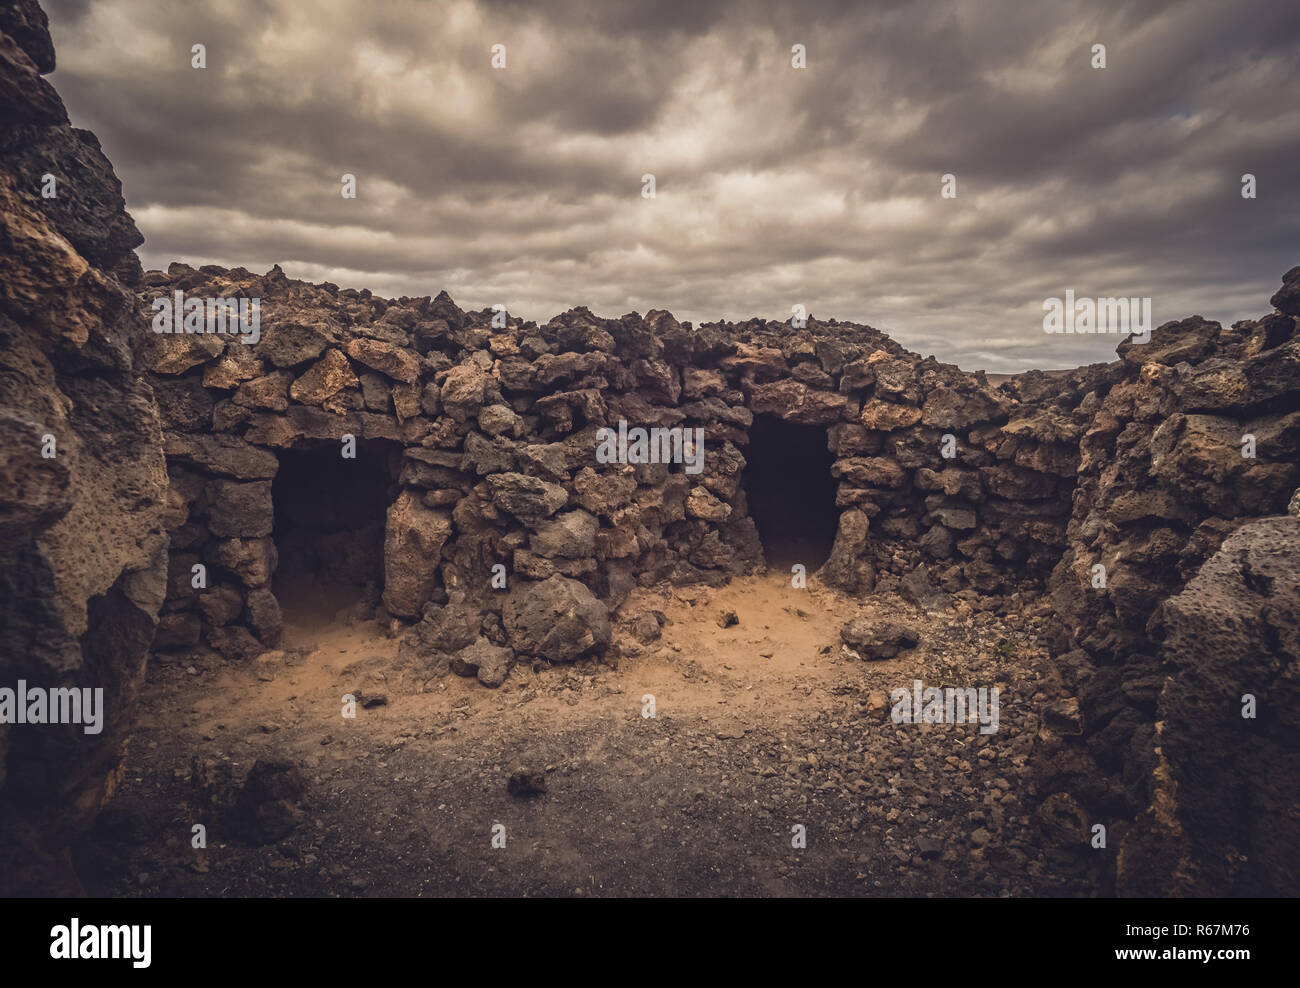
x,y
239,510
490,663
412,553
917,588
464,391
227,456
324,379
1287,298
1228,636
947,408
558,619
527,498
295,340
701,503
961,519
497,420
871,638
571,534
252,560
387,358
445,629
264,616
270,391
796,402
484,456
1175,342
219,604
83,558
886,416
874,471
849,566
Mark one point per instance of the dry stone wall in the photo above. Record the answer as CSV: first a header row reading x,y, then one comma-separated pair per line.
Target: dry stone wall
x,y
495,435
1185,438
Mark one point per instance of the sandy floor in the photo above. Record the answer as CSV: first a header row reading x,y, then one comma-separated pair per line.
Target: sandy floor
x,y
759,729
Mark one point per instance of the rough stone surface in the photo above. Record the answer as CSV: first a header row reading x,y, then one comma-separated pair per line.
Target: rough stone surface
x,y
872,639
1218,819
412,548
83,551
558,620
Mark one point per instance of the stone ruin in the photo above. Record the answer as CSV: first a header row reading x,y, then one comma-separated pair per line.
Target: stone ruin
x,y
201,490
477,456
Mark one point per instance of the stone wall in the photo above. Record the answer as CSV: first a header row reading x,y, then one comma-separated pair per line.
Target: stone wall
x,y
1162,485
498,432
82,549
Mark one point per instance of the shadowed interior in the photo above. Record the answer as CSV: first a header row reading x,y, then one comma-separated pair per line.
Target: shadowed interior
x,y
329,527
791,491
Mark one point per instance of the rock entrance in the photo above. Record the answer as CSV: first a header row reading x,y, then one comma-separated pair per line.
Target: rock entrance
x,y
329,527
791,492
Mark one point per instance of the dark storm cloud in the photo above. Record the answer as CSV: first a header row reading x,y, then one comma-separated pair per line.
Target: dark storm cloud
x,y
775,186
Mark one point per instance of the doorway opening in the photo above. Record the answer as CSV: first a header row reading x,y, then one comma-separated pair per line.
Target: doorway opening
x,y
791,492
330,514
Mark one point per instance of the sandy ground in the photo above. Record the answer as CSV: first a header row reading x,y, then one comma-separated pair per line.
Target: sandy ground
x,y
759,729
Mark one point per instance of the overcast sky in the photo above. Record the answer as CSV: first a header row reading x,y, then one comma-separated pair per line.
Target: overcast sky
x,y
774,185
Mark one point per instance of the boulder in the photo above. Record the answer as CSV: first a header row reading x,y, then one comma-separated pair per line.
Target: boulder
x,y
871,638
413,543
794,401
1228,638
324,379
571,534
558,620
885,416
464,391
849,567
386,358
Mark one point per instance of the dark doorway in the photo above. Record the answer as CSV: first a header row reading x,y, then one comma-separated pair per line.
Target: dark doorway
x,y
330,514
791,492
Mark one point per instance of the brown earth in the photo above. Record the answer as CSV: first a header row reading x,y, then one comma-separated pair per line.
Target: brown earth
x,y
758,727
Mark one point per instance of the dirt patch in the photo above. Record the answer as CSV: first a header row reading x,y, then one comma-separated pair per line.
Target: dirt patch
x,y
759,729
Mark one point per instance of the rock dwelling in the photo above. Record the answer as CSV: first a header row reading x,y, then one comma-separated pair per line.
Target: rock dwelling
x,y
417,463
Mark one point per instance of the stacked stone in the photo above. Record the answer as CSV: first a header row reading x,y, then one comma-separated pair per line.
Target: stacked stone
x,y
498,430
1162,483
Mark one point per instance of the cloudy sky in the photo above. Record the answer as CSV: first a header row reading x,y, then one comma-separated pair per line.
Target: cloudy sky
x,y
775,186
